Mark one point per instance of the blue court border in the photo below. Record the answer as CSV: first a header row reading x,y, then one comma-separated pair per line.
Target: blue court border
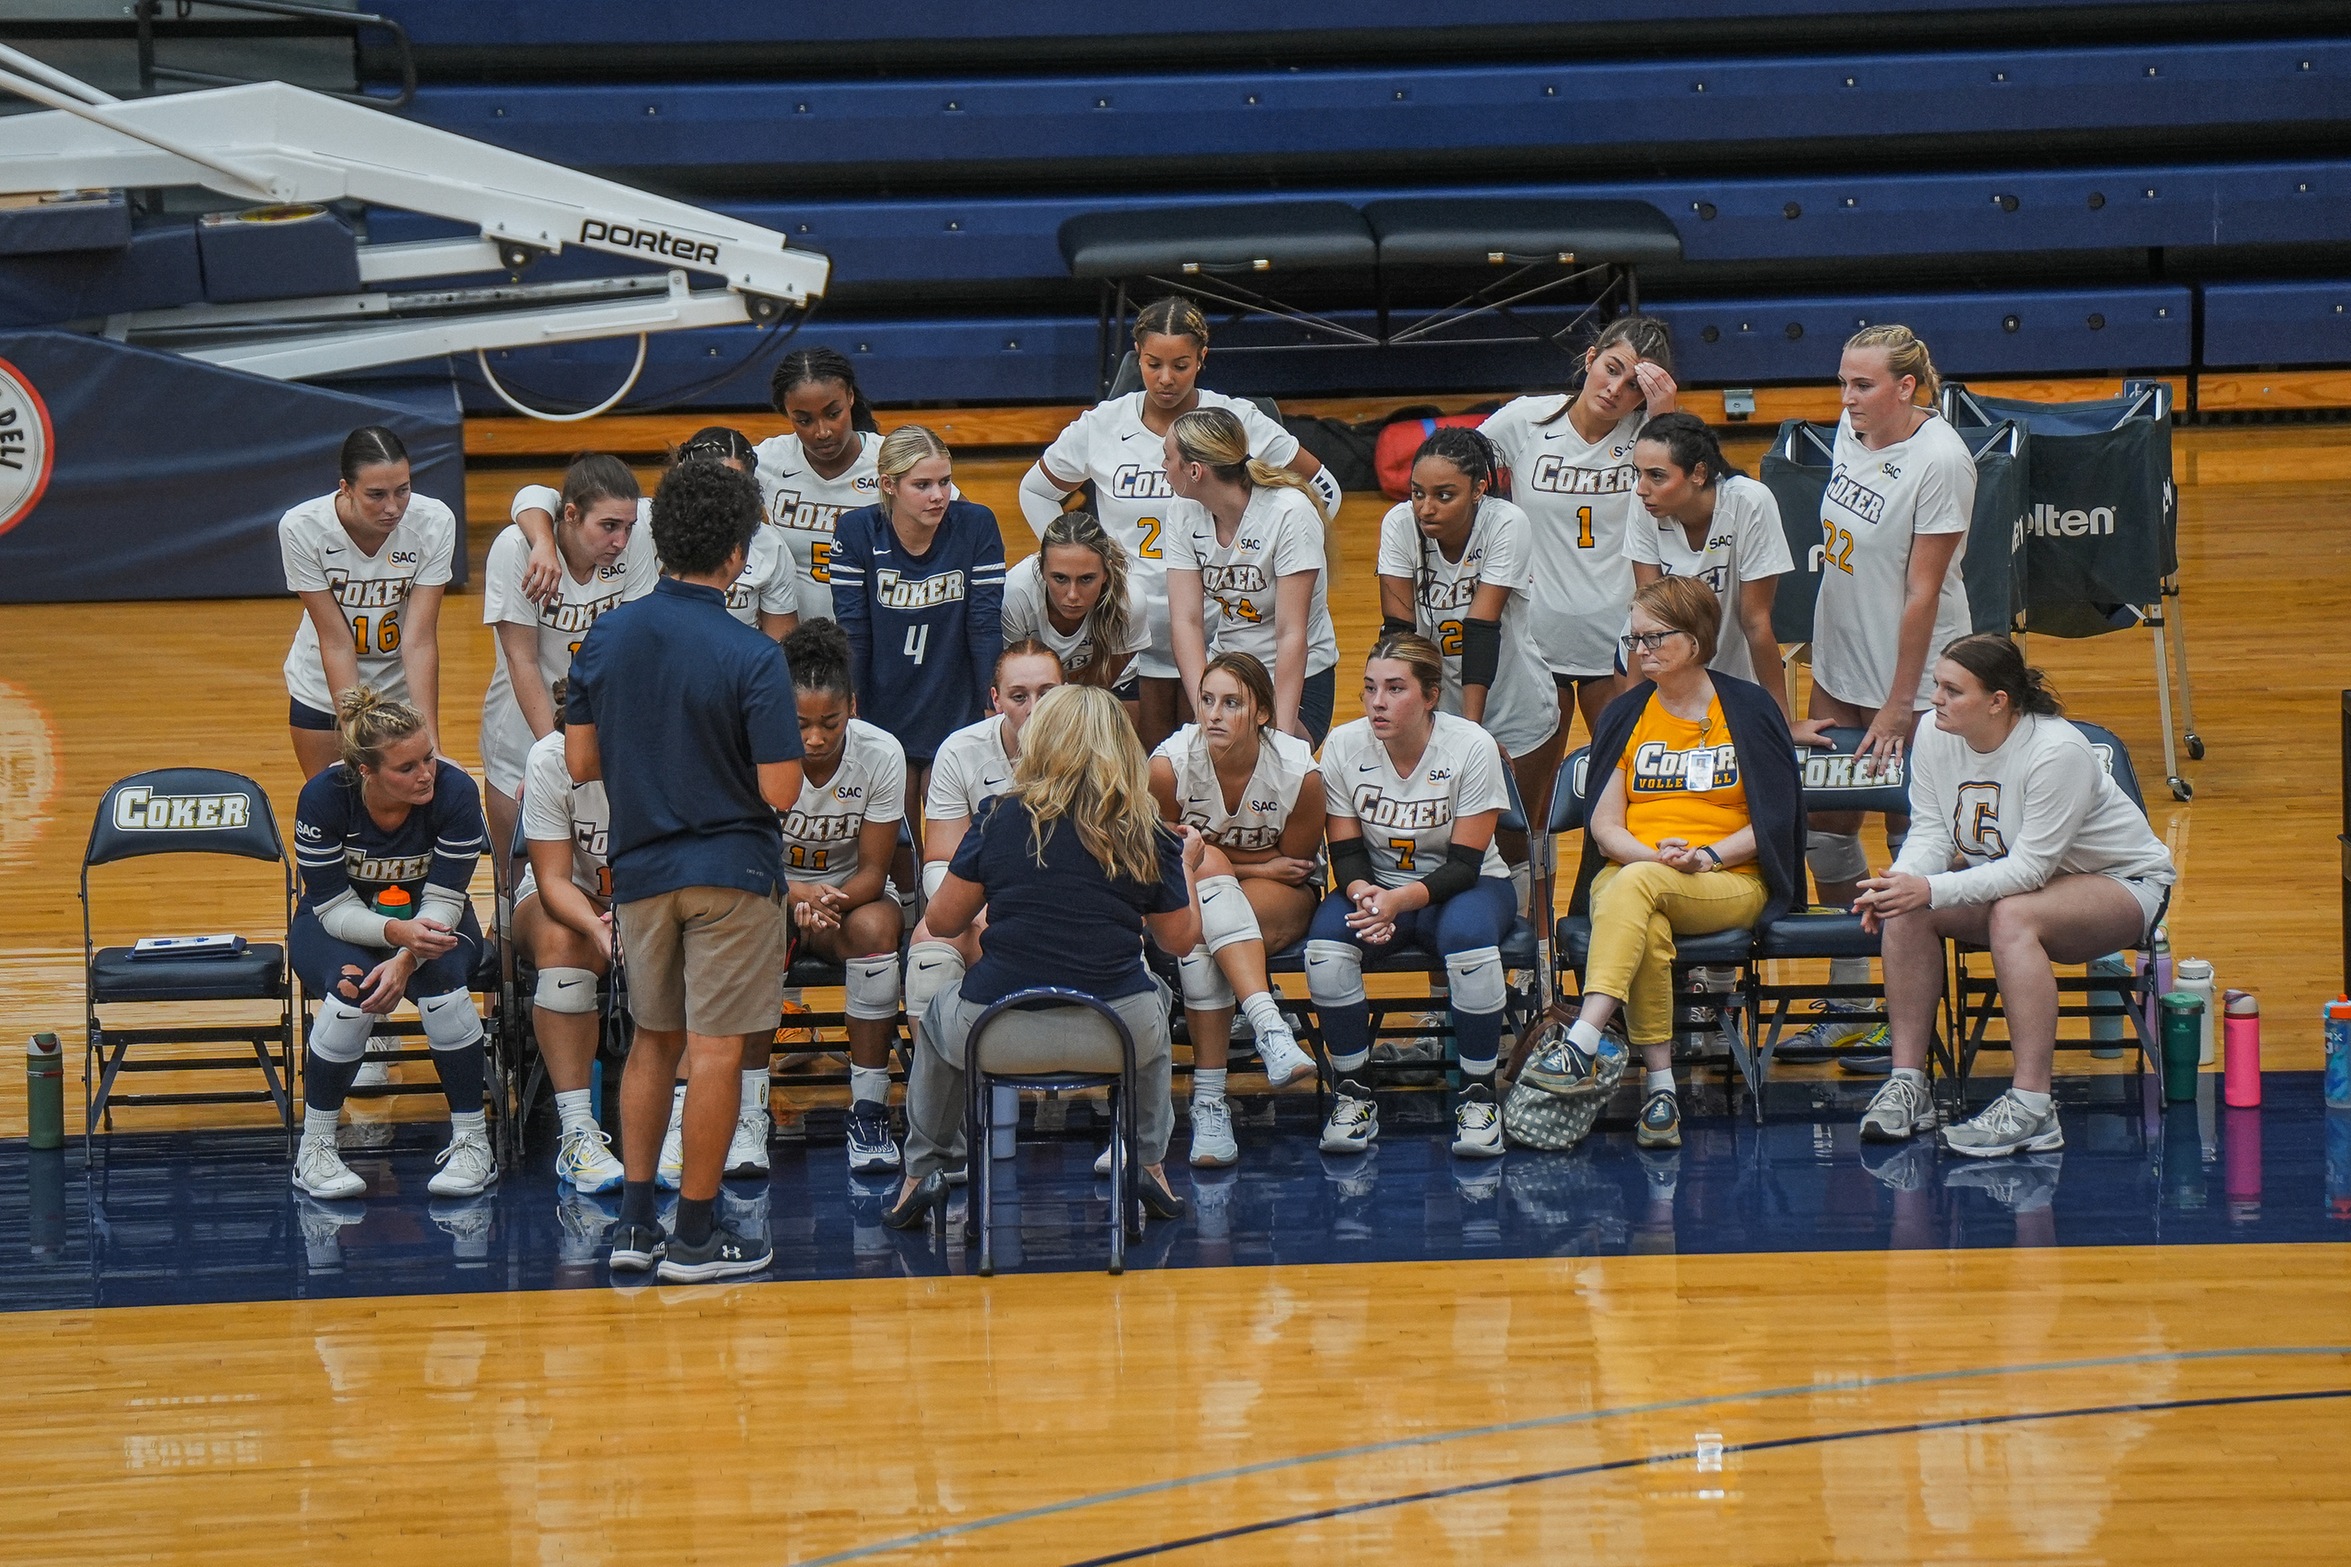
x,y
1595,1416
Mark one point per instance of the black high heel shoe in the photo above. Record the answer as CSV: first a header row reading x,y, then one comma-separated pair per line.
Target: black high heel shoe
x,y
1159,1199
917,1203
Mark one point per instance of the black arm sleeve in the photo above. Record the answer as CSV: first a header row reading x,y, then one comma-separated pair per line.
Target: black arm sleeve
x,y
1457,875
1351,862
1481,651
1391,626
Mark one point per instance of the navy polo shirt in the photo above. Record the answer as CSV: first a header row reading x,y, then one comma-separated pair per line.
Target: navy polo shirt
x,y
686,701
1063,922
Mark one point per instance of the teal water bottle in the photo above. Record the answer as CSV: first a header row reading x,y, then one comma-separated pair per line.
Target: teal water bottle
x,y
2183,1036
2338,1053
394,903
44,1071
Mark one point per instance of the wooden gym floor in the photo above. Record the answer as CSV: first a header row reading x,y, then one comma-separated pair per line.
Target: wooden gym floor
x,y
1821,1366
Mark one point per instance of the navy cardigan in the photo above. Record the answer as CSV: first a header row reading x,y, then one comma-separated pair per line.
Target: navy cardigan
x,y
1767,766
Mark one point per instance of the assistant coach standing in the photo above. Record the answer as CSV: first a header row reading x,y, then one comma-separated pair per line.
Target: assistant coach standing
x,y
688,717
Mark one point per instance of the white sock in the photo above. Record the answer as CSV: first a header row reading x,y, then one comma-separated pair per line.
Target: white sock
x,y
571,1106
1914,1074
1584,1036
754,1089
870,1084
319,1123
468,1123
677,1104
1263,1012
2037,1103
1207,1084
1848,971
1659,1081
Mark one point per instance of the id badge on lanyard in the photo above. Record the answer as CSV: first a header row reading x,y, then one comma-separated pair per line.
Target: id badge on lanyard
x,y
1698,776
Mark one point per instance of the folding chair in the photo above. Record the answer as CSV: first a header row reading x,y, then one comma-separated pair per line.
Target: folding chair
x,y
190,811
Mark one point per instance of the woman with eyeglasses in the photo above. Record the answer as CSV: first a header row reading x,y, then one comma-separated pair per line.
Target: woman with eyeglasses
x,y
1694,813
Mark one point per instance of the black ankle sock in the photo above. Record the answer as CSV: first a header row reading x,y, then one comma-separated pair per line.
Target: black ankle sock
x,y
636,1203
1484,1080
695,1221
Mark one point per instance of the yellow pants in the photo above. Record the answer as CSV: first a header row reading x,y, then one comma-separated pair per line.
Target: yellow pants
x,y
1636,909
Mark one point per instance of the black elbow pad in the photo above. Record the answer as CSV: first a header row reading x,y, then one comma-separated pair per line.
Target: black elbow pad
x,y
1481,651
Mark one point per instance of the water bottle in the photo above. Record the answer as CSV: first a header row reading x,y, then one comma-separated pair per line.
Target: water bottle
x,y
2156,965
2183,1025
2107,1031
44,1071
394,903
2241,1050
2339,1165
2243,1180
2338,1049
2194,976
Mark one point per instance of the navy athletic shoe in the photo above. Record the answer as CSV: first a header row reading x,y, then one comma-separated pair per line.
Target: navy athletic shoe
x,y
636,1247
725,1255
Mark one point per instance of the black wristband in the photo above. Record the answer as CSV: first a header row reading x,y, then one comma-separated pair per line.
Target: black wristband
x,y
1457,875
1351,862
1481,651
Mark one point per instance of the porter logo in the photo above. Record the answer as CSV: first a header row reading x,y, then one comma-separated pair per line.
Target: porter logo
x,y
27,446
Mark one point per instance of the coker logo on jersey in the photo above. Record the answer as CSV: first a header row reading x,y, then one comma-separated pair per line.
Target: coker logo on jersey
x,y
385,870
892,591
28,446
1852,495
1136,482
1555,476
576,617
1374,809
368,592
802,827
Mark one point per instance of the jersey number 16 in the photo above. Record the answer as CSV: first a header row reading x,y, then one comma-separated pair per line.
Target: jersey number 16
x,y
387,634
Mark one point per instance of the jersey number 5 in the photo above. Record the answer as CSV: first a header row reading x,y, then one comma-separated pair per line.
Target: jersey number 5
x,y
1402,848
387,634
918,642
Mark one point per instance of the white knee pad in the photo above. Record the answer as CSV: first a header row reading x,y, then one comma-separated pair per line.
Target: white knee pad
x,y
451,1022
1475,980
931,967
1225,915
339,1032
933,874
565,990
873,987
1334,973
1835,856
1205,987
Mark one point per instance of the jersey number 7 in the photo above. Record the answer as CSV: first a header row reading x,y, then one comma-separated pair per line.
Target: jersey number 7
x,y
1403,848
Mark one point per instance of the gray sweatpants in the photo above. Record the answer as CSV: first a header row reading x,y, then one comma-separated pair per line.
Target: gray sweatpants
x,y
935,1086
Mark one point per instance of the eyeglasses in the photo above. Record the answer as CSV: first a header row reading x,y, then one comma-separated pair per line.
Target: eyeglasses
x,y
1649,641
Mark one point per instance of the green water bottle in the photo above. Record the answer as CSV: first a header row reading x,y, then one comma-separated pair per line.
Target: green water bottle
x,y
394,903
2183,1039
44,1070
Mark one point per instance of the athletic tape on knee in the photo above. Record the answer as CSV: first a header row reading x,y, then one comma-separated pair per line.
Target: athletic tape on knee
x,y
565,990
932,875
931,967
451,1022
1835,856
1334,973
1225,914
1476,980
1205,987
339,1031
873,987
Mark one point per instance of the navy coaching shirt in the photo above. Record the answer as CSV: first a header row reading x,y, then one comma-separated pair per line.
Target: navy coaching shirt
x,y
686,701
1063,922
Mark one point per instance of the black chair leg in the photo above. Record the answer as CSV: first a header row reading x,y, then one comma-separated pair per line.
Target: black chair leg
x,y
1122,1155
980,1161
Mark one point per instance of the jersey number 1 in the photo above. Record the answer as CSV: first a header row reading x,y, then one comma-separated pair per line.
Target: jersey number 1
x,y
1583,528
918,642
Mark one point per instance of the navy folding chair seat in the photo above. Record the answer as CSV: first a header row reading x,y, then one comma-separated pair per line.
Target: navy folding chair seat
x,y
187,811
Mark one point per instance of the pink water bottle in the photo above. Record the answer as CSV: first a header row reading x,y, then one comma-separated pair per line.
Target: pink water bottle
x,y
2241,1050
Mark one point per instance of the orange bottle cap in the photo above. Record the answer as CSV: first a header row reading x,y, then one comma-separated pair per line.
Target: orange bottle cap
x,y
393,895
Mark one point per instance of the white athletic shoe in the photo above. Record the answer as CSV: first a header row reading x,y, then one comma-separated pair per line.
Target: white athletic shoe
x,y
2004,1127
1102,1163
467,1167
670,1173
1278,1052
1213,1147
1354,1124
747,1152
372,1073
1903,1106
1477,1125
1841,1023
584,1158
320,1171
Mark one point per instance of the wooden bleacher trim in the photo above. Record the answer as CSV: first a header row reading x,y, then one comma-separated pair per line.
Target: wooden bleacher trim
x,y
2273,391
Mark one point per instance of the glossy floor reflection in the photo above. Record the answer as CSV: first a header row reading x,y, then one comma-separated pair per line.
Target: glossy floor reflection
x,y
188,1218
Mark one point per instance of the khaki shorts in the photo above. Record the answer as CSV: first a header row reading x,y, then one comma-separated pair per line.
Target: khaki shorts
x,y
708,959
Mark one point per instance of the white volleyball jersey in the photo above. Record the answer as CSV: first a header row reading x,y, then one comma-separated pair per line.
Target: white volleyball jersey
x,y
1744,544
371,589
1876,502
1279,533
1110,445
970,767
1522,705
561,625
2040,806
1578,495
806,509
769,583
556,810
821,831
1256,820
1026,614
1408,820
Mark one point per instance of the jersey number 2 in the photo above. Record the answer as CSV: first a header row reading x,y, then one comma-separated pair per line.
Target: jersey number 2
x,y
1149,547
918,642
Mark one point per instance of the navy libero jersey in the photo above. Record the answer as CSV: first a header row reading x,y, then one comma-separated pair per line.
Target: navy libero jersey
x,y
339,845
924,630
1063,922
686,702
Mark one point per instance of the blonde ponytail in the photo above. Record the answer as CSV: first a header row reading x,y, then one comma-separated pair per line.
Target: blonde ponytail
x,y
1214,438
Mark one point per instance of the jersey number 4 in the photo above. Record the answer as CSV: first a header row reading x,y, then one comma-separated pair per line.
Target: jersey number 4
x,y
918,642
387,634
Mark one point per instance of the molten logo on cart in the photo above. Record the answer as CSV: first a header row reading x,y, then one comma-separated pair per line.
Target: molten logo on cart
x,y
28,444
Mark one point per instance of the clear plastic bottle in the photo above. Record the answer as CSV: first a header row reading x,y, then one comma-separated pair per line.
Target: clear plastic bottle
x,y
2194,975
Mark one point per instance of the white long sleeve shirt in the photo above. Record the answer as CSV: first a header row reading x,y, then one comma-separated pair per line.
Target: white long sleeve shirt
x,y
2040,806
